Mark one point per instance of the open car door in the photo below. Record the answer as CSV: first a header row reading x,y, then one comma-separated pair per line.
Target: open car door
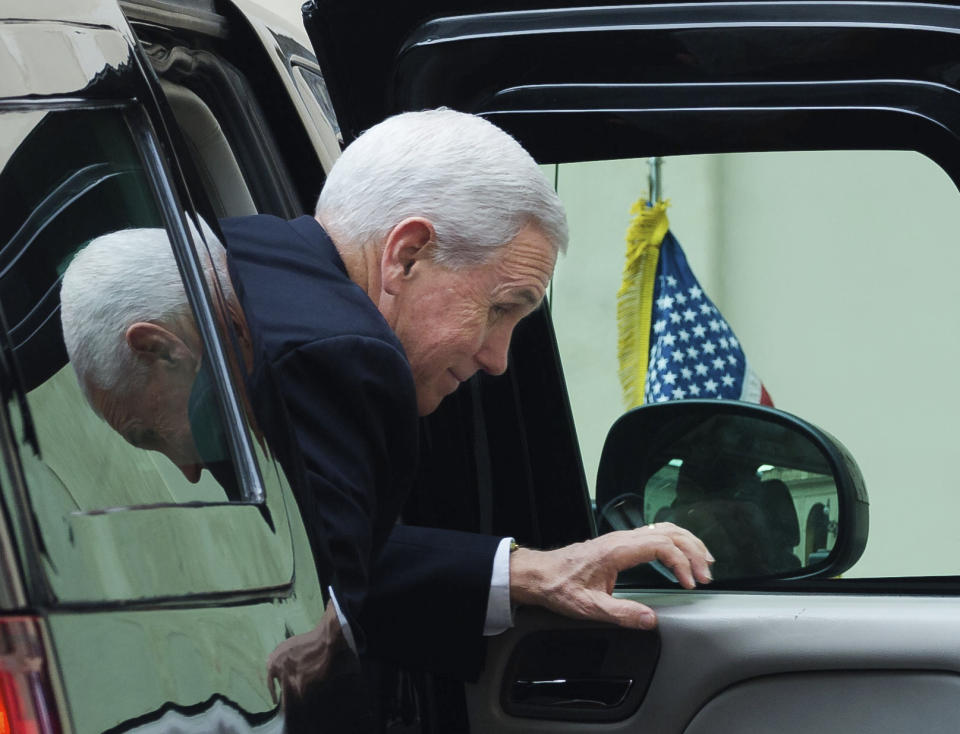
x,y
793,650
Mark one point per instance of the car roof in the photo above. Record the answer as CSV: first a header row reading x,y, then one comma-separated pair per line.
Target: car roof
x,y
86,12
462,52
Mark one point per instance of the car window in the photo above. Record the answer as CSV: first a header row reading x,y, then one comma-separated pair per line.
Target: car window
x,y
140,483
230,137
835,271
69,177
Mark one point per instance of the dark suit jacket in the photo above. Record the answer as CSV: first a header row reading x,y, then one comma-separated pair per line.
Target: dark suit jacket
x,y
333,393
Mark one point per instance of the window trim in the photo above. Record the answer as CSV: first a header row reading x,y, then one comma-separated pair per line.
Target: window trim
x,y
175,218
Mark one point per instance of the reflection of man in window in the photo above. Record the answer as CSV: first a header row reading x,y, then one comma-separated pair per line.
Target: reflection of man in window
x,y
357,331
138,379
145,376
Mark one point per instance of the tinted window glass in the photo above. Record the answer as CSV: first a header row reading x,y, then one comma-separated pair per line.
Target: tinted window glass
x,y
69,177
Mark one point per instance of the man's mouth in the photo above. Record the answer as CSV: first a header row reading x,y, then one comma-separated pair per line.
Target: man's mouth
x,y
457,379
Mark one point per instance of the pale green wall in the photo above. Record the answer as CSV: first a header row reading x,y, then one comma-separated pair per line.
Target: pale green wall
x,y
837,272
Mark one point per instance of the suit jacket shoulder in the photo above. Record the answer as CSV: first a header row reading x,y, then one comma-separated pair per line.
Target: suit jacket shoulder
x,y
331,389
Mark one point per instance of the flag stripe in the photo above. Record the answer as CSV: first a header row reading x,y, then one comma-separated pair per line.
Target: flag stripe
x,y
752,387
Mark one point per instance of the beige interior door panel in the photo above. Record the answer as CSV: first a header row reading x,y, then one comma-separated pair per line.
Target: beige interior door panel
x,y
850,701
755,662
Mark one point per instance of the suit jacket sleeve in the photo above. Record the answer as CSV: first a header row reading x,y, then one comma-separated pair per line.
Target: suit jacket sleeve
x,y
428,600
350,403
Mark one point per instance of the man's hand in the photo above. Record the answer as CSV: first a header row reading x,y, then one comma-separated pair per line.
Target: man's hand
x,y
577,581
306,658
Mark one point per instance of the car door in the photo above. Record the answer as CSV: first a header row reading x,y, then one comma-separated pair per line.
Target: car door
x,y
159,595
616,83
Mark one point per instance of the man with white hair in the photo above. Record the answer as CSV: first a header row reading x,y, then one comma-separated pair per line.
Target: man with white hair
x,y
435,234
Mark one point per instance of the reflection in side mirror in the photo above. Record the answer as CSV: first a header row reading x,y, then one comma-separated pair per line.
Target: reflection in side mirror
x,y
770,495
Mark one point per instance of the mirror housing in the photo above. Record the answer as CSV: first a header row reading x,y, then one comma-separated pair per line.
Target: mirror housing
x,y
762,488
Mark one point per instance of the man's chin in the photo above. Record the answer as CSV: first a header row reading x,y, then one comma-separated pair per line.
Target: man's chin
x,y
429,402
429,398
426,407
191,472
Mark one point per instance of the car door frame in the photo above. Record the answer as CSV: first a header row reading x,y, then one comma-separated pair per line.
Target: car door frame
x,y
853,88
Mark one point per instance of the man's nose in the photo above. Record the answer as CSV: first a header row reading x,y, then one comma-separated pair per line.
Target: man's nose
x,y
493,353
191,471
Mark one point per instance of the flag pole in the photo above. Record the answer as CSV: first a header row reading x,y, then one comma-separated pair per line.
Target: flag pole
x,y
654,163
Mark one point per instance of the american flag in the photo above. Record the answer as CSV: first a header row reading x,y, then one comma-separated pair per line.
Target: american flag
x,y
693,351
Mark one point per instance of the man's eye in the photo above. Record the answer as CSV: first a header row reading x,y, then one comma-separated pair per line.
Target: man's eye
x,y
142,439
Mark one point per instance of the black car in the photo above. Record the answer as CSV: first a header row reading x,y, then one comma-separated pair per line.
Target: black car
x,y
135,601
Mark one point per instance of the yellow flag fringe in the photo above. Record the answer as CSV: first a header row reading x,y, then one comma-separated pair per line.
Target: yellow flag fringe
x,y
635,297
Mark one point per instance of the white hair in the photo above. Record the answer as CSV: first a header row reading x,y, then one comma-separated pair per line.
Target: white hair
x,y
474,182
120,279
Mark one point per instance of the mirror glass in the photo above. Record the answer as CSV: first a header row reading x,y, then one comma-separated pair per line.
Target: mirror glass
x,y
760,494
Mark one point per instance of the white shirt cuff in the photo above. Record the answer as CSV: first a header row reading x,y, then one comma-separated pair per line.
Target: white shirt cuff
x,y
344,624
499,612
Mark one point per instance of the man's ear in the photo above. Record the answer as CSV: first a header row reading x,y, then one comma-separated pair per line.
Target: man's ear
x,y
406,244
153,343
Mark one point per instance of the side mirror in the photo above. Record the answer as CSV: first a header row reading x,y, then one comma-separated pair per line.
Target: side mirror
x,y
772,496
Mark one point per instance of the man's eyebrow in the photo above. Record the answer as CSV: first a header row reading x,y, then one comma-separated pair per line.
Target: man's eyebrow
x,y
529,297
524,295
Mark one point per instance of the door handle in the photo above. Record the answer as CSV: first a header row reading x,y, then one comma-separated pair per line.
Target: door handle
x,y
572,693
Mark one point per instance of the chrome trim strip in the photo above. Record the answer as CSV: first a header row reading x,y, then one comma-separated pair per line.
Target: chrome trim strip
x,y
188,259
